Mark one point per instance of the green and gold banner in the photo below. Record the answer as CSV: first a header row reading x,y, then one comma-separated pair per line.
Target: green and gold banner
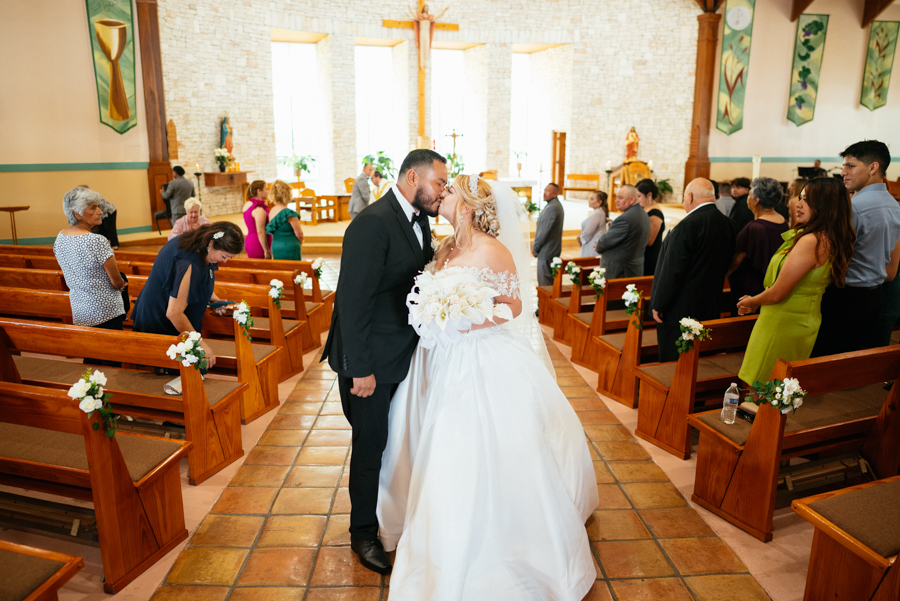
x,y
809,48
734,64
112,45
879,62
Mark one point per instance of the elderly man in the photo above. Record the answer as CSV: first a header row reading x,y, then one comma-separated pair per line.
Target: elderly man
x,y
548,234
740,213
621,248
361,195
692,265
176,192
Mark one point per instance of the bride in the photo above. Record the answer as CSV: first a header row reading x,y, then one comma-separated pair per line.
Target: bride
x,y
486,480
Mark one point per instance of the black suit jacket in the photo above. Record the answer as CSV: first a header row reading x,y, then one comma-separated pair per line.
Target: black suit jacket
x,y
740,213
381,256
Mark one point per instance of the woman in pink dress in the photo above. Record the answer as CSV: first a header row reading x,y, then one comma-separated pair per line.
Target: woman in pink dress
x,y
256,216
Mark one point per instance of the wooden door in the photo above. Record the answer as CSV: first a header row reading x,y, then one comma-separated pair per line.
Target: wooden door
x,y
558,159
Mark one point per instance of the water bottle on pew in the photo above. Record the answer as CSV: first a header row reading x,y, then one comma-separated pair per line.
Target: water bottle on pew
x,y
730,404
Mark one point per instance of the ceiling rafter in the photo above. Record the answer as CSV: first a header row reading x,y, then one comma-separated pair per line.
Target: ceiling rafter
x,y
798,7
872,9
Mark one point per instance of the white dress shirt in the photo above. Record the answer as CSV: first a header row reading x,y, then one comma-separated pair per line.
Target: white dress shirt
x,y
409,212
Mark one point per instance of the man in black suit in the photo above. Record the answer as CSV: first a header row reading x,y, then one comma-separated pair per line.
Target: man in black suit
x,y
370,344
740,213
691,269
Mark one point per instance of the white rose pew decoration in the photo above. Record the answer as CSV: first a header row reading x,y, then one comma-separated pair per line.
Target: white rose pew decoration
x,y
631,296
555,264
691,330
88,391
597,280
574,272
303,280
784,395
317,266
276,290
188,352
243,317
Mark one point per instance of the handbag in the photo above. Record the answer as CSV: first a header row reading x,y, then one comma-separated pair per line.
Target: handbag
x,y
126,300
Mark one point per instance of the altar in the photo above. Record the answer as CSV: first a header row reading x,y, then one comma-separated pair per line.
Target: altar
x,y
522,187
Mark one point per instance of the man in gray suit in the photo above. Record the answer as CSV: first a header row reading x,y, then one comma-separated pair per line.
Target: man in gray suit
x,y
548,236
622,247
177,191
361,195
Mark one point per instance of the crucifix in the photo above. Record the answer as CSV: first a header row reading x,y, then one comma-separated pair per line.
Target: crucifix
x,y
454,135
423,25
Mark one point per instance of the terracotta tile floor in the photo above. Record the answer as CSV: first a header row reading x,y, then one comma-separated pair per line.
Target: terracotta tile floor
x,y
279,530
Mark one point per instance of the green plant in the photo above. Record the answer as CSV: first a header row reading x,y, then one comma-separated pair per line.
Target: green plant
x,y
665,188
300,163
382,163
530,206
455,164
519,154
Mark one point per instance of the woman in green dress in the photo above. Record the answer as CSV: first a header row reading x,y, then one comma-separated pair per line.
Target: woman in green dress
x,y
284,224
814,254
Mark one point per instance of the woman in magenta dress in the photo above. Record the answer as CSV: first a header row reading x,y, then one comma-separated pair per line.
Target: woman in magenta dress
x,y
256,216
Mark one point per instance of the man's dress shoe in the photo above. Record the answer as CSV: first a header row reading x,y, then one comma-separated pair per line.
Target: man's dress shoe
x,y
372,555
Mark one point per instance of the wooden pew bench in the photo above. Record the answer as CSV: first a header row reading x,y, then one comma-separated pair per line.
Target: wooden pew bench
x,y
617,356
48,444
31,574
669,392
855,546
209,409
847,411
36,279
545,293
558,307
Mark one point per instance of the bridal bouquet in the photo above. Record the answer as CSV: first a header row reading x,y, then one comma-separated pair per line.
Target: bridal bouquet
x,y
443,304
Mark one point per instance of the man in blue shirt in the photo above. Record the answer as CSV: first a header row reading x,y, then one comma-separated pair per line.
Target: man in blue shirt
x,y
848,313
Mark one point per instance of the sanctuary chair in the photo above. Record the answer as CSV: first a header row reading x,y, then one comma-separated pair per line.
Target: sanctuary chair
x,y
308,201
587,182
348,184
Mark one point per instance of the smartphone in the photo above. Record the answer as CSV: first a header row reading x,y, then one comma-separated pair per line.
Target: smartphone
x,y
218,304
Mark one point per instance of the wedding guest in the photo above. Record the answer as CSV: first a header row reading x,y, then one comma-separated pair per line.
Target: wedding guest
x,y
192,220
623,245
380,185
758,241
284,224
361,196
691,269
793,194
595,224
740,214
847,312
647,195
817,169
256,216
548,234
89,266
182,280
815,254
177,191
724,202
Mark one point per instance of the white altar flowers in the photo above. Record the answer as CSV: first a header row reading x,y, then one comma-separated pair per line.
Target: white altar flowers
x,y
188,352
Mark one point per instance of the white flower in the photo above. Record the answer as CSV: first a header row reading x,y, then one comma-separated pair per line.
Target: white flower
x,y
98,378
192,358
172,352
274,292
778,389
181,347
775,403
276,284
687,336
797,402
301,279
186,362
79,389
556,262
453,299
89,404
318,263
241,318
195,336
454,311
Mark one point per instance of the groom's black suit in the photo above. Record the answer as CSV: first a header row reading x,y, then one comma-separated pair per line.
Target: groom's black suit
x,y
370,334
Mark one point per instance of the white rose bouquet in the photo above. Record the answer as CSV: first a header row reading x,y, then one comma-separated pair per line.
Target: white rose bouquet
x,y
188,351
88,391
631,297
691,330
555,264
242,316
303,280
783,395
276,291
222,156
444,304
574,272
597,280
317,266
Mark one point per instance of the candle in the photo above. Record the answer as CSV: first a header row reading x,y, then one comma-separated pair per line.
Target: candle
x,y
609,164
197,168
650,164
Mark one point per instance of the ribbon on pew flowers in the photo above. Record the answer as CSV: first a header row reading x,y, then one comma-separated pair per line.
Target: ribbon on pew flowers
x,y
317,266
555,264
88,391
691,330
631,297
574,272
276,290
783,395
597,280
244,319
188,351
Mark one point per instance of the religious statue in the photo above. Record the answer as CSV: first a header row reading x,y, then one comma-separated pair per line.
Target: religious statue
x,y
225,132
423,25
631,145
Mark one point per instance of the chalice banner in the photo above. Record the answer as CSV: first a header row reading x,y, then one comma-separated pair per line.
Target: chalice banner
x,y
879,62
809,48
112,46
734,64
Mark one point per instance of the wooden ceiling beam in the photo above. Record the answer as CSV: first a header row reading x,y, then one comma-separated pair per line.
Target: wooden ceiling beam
x,y
872,9
709,6
798,7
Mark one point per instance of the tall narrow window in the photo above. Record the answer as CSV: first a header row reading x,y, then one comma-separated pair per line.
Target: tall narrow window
x,y
381,119
448,100
519,123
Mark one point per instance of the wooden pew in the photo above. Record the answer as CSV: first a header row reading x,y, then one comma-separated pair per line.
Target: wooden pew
x,y
257,366
847,411
36,279
545,293
210,410
33,574
853,558
558,307
619,354
669,392
49,445
17,249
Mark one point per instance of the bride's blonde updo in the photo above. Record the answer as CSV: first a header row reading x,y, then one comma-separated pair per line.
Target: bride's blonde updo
x,y
484,211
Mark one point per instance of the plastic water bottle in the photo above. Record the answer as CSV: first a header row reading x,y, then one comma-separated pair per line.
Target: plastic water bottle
x,y
730,405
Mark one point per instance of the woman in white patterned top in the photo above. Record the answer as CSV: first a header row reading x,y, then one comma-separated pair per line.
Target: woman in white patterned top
x,y
89,265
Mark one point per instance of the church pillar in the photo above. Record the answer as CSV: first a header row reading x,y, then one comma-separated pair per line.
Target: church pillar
x,y
336,56
698,161
499,107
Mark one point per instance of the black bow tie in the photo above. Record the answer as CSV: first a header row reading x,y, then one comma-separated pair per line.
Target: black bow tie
x,y
421,218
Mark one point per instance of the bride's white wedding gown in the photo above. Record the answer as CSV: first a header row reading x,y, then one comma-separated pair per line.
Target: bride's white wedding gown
x,y
487,479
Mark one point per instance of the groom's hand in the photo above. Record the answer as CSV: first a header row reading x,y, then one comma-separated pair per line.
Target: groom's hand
x,y
363,387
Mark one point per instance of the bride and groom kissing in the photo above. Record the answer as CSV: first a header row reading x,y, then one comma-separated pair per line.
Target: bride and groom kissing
x,y
466,456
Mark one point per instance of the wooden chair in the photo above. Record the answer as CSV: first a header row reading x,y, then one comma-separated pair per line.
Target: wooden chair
x,y
855,546
308,201
619,354
33,574
591,179
327,207
132,480
847,411
490,174
348,184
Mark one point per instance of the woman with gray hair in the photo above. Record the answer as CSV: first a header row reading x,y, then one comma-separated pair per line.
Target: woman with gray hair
x,y
192,219
758,241
89,265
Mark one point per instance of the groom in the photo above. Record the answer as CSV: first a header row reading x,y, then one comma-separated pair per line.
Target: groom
x,y
370,344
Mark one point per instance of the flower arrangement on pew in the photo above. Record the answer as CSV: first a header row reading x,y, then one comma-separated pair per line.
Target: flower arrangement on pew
x,y
244,319
574,272
303,280
631,296
597,280
317,266
691,330
188,351
88,391
555,264
783,395
276,291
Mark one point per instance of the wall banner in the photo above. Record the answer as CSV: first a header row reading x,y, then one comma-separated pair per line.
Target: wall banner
x,y
879,61
112,46
809,48
734,64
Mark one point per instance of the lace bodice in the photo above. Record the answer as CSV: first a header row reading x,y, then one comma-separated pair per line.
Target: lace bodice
x,y
506,283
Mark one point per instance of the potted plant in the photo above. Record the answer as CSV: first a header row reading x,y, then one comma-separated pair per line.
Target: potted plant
x,y
382,163
519,155
665,188
300,164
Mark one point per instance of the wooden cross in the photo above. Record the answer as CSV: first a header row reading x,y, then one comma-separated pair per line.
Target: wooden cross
x,y
454,135
422,142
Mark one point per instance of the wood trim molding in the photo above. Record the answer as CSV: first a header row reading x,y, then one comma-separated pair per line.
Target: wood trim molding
x,y
707,37
872,9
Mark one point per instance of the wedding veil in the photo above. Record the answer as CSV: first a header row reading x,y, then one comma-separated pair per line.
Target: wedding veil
x,y
515,235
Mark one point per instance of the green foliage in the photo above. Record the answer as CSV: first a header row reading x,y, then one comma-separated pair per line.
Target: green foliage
x,y
519,154
382,163
455,164
303,163
665,187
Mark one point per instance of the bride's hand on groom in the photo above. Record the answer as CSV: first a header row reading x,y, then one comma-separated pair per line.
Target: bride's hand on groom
x,y
363,387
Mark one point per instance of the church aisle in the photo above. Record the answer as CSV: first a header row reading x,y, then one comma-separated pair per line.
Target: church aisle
x,y
279,530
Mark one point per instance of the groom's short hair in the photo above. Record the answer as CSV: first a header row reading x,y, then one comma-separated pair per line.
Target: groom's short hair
x,y
416,159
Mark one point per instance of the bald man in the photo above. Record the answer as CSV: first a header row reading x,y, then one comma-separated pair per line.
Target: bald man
x,y
691,269
622,247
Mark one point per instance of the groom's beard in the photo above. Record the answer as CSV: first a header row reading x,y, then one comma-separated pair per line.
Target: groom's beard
x,y
424,202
